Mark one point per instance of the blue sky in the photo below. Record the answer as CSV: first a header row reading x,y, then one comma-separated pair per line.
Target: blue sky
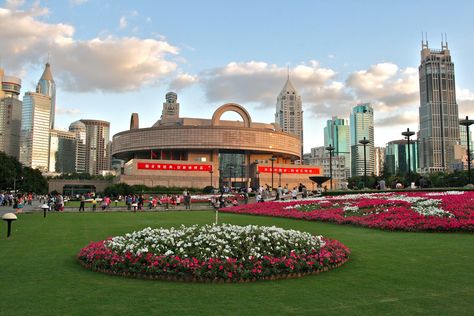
x,y
112,58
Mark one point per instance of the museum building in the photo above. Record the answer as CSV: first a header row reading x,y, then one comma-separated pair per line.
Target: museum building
x,y
194,152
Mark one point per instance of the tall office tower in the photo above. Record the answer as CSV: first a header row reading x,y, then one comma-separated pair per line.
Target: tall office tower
x,y
439,119
62,151
289,112
396,157
97,146
46,86
362,125
379,160
35,127
10,115
337,134
79,130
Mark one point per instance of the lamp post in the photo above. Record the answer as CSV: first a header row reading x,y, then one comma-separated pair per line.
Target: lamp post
x,y
14,184
9,218
467,122
364,142
243,175
272,160
220,178
279,179
231,172
331,149
211,172
408,134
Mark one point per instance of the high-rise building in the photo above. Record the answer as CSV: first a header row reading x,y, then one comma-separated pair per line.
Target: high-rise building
x,y
396,157
35,127
47,86
97,146
379,160
10,115
289,112
337,134
439,119
362,125
79,130
62,151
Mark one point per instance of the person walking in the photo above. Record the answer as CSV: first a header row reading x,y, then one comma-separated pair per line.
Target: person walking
x,y
82,204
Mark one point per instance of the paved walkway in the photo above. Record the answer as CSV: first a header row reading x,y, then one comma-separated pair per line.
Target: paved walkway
x,y
36,208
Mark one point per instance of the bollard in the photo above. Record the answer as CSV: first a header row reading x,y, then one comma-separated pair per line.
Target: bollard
x,y
9,218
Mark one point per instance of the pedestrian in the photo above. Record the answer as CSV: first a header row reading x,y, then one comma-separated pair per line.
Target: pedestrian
x,y
82,203
94,204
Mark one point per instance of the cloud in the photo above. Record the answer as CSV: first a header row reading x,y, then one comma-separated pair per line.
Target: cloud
x,y
182,81
123,23
77,2
100,64
71,112
406,118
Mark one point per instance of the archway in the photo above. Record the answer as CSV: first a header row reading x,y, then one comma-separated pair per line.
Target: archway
x,y
216,117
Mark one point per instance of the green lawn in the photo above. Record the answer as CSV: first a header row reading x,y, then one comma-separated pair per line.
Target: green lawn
x,y
390,272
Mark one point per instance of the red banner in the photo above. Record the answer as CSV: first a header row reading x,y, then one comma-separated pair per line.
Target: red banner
x,y
299,170
176,167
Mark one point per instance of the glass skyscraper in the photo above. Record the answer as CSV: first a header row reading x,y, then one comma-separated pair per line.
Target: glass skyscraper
x,y
439,118
396,156
337,134
35,127
362,125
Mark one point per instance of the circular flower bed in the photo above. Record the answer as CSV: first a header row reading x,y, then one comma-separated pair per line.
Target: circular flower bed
x,y
214,253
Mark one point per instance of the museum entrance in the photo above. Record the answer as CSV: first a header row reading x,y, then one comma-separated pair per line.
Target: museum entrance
x,y
233,170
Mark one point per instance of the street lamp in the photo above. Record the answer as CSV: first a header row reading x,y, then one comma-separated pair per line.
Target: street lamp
x,y
243,175
211,172
467,122
220,178
14,183
272,160
408,134
330,149
231,172
365,142
279,178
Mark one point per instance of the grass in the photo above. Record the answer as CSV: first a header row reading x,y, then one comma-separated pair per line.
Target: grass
x,y
389,273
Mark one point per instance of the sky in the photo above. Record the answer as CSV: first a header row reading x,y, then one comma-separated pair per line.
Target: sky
x,y
112,58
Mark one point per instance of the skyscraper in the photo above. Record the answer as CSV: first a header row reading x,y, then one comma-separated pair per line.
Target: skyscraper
x,y
337,134
10,115
289,112
439,119
97,146
35,127
47,86
79,130
362,125
62,151
396,156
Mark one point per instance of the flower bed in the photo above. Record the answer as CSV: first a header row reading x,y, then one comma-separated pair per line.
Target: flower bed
x,y
408,211
214,253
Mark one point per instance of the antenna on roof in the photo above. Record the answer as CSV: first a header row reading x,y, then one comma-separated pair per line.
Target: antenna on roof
x,y
424,41
446,39
288,71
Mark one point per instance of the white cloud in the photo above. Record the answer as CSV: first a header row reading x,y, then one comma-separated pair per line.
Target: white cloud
x,y
71,112
123,23
101,64
77,2
182,81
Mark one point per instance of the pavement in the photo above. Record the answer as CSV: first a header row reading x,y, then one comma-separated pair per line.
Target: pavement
x,y
36,208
